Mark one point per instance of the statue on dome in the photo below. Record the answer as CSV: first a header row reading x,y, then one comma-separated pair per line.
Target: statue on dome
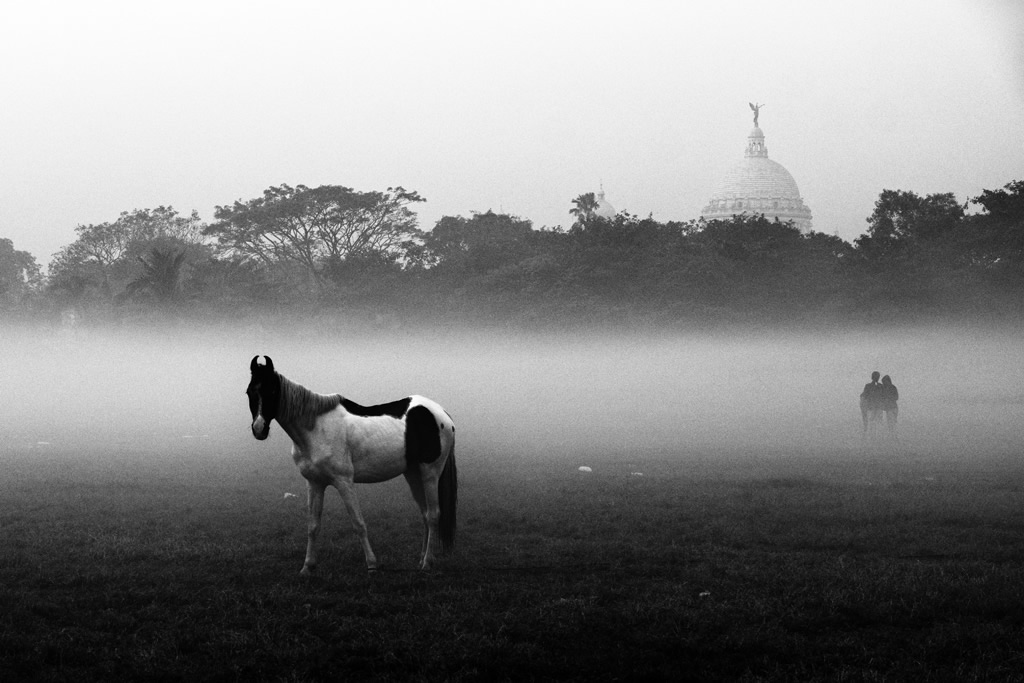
x,y
757,110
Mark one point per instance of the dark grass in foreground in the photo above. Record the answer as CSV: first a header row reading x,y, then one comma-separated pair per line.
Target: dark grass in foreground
x,y
720,566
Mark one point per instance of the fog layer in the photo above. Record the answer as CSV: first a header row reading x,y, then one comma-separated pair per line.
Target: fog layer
x,y
519,395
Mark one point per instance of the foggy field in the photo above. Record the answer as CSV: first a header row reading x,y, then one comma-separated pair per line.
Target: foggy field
x,y
734,526
546,395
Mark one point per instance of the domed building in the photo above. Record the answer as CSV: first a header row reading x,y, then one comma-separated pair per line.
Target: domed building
x,y
604,208
757,185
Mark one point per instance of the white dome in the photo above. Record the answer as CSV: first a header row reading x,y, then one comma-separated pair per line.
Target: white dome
x,y
757,185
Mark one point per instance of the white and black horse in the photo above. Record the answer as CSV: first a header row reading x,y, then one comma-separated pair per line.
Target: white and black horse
x,y
336,442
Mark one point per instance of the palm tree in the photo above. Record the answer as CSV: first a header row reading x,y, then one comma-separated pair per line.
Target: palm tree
x,y
585,207
161,274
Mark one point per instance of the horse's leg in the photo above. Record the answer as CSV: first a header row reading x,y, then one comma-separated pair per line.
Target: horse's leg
x,y
348,494
429,476
415,481
315,508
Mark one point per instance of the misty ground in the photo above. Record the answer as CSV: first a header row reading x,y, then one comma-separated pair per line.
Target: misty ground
x,y
136,506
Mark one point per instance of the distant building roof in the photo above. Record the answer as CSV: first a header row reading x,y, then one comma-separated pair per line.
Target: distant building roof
x,y
604,209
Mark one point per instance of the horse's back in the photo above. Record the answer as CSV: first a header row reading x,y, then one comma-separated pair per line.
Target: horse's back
x,y
395,409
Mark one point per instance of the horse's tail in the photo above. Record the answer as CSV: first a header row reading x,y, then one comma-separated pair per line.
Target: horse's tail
x,y
448,495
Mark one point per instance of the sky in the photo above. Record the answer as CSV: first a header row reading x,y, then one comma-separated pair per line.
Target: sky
x,y
515,107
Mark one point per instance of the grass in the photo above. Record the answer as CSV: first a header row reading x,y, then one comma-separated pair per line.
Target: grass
x,y
840,565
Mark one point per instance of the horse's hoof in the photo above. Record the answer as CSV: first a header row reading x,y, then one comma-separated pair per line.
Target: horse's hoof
x,y
306,572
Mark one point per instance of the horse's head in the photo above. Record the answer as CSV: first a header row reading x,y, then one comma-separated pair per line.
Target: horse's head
x,y
264,394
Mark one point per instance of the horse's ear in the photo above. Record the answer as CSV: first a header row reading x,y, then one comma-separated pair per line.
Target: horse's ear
x,y
270,364
252,365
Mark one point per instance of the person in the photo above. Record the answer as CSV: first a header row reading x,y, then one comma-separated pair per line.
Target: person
x,y
869,400
887,398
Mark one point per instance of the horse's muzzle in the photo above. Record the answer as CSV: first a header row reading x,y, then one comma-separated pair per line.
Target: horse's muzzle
x,y
260,428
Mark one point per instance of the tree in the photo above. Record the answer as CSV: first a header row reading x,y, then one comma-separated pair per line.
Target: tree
x,y
101,259
161,276
911,260
1006,204
754,263
492,263
312,228
997,238
470,246
904,220
19,273
584,208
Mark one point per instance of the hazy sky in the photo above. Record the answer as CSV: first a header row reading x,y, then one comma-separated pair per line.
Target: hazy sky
x,y
513,106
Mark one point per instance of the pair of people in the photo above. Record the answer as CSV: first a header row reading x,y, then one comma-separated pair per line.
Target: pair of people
x,y
877,398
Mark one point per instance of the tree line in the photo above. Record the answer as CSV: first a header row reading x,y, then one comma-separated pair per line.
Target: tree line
x,y
333,250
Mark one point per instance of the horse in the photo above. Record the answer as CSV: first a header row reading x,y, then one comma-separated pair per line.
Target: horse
x,y
337,442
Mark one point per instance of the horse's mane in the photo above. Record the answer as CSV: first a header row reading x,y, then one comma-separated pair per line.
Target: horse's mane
x,y
302,406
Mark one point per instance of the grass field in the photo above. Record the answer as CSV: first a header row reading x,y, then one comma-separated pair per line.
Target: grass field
x,y
723,534
864,564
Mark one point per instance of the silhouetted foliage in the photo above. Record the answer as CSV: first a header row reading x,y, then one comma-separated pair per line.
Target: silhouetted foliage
x,y
927,256
161,276
470,246
902,221
760,264
103,259
334,249
584,208
998,232
19,275
314,227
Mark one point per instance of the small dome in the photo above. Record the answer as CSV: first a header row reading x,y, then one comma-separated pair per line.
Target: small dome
x,y
604,209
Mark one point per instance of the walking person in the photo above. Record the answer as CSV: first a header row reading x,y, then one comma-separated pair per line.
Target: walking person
x,y
888,395
869,402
